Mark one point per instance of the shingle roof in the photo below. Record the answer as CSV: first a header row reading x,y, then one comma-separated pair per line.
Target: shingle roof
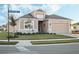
x,y
40,10
53,16
27,16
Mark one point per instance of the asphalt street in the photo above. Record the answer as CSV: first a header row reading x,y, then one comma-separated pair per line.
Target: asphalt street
x,y
8,49
55,49
13,50
42,49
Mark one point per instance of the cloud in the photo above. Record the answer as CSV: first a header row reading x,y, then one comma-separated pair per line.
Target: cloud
x,y
25,9
50,8
3,20
3,14
3,11
55,7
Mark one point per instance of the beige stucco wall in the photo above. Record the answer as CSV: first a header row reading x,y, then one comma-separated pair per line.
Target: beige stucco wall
x,y
59,26
36,24
24,19
21,26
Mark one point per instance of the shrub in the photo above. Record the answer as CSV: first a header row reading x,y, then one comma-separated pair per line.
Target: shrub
x,y
28,33
18,33
54,33
15,36
10,36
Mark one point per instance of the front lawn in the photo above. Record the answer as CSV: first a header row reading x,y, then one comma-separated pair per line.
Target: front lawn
x,y
42,36
53,42
3,36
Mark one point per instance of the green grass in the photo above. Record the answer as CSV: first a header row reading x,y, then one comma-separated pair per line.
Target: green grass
x,y
53,42
42,36
8,43
3,36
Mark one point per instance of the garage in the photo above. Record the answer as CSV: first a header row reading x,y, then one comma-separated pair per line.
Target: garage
x,y
60,27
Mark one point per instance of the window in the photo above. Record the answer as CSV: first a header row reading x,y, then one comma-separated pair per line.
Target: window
x,y
40,16
28,24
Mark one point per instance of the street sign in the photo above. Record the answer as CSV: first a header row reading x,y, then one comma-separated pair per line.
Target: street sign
x,y
14,11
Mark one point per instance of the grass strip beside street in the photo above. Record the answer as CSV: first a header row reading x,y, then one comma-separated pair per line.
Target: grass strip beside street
x,y
7,43
53,42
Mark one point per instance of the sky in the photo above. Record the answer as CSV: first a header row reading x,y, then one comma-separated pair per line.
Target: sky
x,y
66,10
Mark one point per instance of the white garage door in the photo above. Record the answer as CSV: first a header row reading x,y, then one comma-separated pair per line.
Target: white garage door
x,y
61,28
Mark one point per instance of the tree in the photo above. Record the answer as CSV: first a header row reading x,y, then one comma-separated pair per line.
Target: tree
x,y
13,24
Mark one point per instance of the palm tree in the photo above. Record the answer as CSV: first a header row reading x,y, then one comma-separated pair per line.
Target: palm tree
x,y
13,24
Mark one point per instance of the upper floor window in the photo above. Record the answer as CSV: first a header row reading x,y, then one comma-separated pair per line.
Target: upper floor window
x,y
39,14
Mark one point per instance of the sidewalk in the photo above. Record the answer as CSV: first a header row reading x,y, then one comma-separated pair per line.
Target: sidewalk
x,y
28,42
42,39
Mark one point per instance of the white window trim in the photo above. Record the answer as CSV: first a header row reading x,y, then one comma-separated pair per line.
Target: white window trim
x,y
25,24
33,24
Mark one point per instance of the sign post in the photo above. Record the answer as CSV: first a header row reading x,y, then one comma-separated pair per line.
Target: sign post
x,y
8,24
10,11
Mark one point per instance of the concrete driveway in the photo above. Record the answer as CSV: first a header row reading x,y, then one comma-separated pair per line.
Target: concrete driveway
x,y
75,35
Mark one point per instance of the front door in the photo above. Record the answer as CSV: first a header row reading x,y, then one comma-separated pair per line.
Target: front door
x,y
42,26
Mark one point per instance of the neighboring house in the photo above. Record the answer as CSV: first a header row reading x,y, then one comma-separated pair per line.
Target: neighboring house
x,y
75,27
38,21
3,28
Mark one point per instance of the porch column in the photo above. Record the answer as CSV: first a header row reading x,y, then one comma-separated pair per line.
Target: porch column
x,y
49,26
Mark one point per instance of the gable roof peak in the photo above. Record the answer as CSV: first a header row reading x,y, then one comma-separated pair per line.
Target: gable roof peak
x,y
40,10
